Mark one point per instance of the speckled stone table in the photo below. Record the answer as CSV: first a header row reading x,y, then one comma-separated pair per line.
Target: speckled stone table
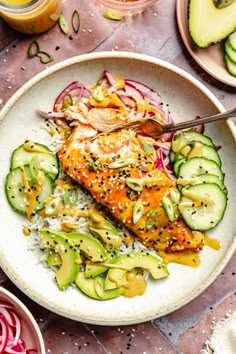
x,y
154,33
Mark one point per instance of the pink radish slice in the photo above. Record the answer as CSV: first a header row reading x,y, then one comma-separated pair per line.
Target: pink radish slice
x,y
146,91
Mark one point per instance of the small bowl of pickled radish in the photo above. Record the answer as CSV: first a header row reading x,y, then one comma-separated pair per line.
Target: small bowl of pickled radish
x,y
126,7
19,330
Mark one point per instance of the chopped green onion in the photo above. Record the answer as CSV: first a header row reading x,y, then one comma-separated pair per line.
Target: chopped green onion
x,y
151,219
53,206
34,48
45,57
33,166
70,197
121,163
64,105
91,163
148,148
138,211
98,94
169,209
132,195
134,184
75,21
112,14
63,24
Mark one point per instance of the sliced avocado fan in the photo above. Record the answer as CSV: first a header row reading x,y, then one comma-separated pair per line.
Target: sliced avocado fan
x,y
209,24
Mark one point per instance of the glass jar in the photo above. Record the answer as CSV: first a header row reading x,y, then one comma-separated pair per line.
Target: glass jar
x,y
30,16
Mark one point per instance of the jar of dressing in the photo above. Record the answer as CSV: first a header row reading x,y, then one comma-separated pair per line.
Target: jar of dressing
x,y
30,16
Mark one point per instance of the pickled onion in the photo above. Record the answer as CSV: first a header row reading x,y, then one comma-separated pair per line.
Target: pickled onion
x,y
10,332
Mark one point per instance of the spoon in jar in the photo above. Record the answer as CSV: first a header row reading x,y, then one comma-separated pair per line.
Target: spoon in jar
x,y
152,127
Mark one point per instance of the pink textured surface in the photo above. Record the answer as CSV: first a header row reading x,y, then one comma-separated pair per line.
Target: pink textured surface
x,y
154,33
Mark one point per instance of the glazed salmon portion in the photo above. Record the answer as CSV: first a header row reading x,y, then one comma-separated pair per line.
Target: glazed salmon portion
x,y
121,175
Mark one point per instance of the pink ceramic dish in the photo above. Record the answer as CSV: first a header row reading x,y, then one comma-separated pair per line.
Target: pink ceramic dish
x,y
30,332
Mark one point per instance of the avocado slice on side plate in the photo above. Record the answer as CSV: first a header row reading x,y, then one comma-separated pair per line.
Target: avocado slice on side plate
x,y
209,24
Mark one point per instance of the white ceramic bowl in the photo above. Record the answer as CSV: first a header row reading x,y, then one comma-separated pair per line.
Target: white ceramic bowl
x,y
128,6
30,331
186,98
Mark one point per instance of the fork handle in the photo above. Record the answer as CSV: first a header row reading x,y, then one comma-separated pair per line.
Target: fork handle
x,y
204,120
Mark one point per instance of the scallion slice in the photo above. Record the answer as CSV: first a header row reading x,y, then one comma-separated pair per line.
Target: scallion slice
x,y
64,104
148,148
33,165
151,219
75,21
53,206
63,24
169,209
70,197
138,211
121,163
34,48
45,57
134,184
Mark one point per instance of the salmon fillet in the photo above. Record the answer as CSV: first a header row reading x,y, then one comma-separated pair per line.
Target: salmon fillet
x,y
107,166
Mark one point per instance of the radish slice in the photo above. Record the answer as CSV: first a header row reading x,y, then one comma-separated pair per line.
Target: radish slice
x,y
66,90
10,332
4,333
75,90
146,91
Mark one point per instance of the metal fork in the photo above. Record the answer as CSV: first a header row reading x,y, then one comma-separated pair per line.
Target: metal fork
x,y
153,128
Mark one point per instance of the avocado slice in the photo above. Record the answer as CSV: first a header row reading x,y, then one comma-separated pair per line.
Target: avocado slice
x,y
209,24
94,269
54,259
69,268
94,287
85,243
108,234
222,3
116,277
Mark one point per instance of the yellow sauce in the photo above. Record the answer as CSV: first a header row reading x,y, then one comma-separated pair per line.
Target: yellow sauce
x,y
196,151
136,286
212,242
26,231
31,147
32,193
32,19
190,259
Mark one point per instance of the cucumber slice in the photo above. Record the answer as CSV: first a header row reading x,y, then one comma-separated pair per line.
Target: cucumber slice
x,y
231,65
46,160
182,139
208,178
172,156
198,166
232,40
202,150
177,165
15,190
208,215
230,51
204,178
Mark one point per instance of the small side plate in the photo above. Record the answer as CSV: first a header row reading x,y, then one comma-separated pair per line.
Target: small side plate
x,y
211,59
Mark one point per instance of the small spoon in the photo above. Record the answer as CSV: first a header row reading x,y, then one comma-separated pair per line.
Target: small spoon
x,y
153,128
